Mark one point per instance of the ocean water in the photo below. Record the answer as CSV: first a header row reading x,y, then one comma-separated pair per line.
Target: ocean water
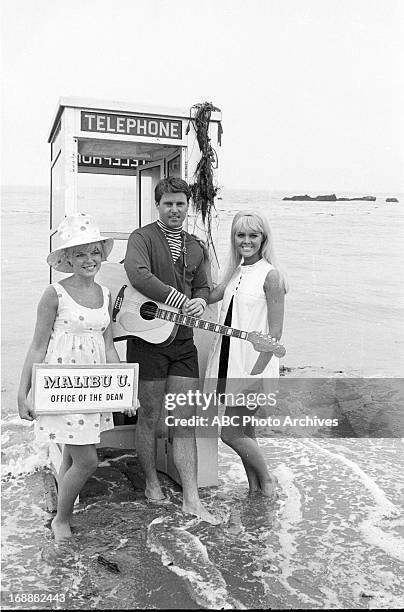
x,y
334,538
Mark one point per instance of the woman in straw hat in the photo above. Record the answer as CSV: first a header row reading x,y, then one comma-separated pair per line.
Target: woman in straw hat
x,y
72,327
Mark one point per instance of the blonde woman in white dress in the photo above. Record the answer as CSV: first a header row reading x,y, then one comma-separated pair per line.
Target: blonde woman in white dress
x,y
253,293
72,327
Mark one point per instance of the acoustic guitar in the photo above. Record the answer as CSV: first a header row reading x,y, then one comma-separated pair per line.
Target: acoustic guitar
x,y
134,314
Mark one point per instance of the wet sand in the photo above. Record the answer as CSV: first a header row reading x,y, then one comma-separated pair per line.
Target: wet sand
x,y
331,540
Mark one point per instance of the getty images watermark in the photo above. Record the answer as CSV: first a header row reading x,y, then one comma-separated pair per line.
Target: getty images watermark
x,y
297,407
251,401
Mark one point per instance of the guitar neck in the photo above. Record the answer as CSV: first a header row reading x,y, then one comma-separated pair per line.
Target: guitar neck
x,y
197,323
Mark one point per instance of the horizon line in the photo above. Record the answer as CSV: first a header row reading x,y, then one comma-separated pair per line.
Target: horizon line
x,y
320,190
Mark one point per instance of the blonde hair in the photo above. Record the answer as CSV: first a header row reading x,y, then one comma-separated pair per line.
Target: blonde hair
x,y
252,221
67,253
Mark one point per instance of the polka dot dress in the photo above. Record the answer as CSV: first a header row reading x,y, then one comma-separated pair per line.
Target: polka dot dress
x,y
77,337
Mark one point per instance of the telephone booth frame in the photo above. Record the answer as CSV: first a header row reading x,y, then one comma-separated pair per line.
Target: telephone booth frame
x,y
106,158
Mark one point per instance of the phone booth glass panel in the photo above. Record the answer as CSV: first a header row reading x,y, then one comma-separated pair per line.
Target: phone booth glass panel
x,y
148,176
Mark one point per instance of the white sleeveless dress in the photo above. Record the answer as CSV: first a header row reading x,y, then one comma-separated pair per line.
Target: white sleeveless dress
x,y
77,337
250,313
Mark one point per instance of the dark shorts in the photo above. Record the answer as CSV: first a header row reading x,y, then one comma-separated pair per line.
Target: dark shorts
x,y
180,358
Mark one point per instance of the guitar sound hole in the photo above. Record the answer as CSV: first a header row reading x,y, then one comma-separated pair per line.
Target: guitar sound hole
x,y
148,311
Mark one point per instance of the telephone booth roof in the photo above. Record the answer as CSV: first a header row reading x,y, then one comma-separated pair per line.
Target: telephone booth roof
x,y
114,107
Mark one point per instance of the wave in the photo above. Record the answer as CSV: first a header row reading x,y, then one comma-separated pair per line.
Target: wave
x,y
185,555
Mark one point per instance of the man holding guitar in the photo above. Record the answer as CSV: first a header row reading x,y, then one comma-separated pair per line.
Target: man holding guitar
x,y
166,264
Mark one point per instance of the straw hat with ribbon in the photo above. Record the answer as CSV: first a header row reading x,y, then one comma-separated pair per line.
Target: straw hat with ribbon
x,y
76,229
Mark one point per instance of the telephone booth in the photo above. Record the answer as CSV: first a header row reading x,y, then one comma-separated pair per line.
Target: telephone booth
x,y
106,159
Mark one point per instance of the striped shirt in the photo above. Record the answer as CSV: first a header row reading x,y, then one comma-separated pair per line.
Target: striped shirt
x,y
173,236
174,239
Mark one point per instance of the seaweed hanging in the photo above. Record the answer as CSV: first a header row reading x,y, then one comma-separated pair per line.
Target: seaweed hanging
x,y
203,189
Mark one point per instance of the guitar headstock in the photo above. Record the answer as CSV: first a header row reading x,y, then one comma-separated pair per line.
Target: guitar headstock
x,y
263,343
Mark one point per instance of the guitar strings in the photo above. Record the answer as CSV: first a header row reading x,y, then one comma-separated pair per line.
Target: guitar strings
x,y
151,310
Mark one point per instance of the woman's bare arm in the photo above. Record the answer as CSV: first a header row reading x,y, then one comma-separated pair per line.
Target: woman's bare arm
x,y
46,314
216,294
275,295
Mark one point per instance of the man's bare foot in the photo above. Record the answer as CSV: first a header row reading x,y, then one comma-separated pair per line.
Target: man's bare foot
x,y
158,502
154,493
61,530
197,509
268,488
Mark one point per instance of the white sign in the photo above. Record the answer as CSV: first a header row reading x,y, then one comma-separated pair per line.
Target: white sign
x,y
69,389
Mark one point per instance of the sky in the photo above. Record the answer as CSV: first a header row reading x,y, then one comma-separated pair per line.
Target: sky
x,y
311,91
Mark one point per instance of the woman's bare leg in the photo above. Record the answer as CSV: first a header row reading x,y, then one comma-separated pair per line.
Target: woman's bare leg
x,y
242,440
84,462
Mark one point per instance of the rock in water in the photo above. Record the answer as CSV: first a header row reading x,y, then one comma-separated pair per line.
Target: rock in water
x,y
111,566
185,555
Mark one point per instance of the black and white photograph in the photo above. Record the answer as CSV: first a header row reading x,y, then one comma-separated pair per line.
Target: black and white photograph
x,y
202,304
